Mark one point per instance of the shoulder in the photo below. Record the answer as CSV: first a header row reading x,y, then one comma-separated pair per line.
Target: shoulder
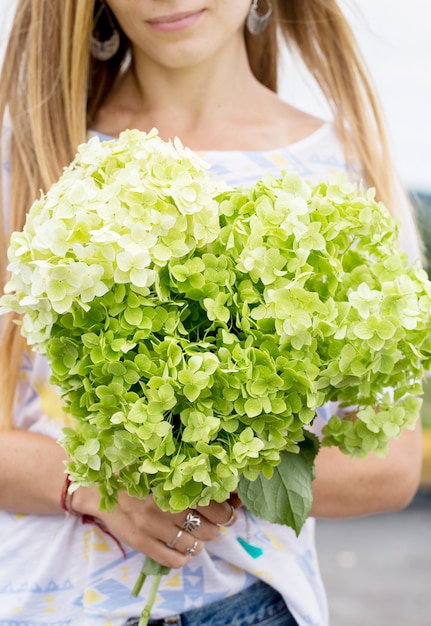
x,y
294,124
272,122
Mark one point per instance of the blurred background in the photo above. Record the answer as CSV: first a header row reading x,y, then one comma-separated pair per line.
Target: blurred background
x,y
378,568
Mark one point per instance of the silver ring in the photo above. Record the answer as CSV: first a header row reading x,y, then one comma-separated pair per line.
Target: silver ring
x,y
231,517
193,522
175,540
191,551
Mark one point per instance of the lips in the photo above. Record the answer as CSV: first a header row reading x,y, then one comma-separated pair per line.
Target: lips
x,y
177,21
172,18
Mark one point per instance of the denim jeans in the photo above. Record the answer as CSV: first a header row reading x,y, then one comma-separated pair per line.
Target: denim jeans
x,y
259,605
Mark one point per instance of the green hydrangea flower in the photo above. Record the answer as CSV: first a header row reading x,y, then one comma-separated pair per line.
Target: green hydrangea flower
x,y
193,331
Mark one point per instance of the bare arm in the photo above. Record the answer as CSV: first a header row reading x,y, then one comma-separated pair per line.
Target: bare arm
x,y
32,475
346,487
31,472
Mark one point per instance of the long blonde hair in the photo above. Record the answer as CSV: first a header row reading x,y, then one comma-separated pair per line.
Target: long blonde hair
x,y
51,89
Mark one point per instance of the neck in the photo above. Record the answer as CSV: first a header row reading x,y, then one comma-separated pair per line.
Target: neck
x,y
189,102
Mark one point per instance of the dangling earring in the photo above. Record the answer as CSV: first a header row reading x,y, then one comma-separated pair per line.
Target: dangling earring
x,y
256,23
104,49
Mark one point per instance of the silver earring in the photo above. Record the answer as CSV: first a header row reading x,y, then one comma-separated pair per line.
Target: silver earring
x,y
256,23
104,49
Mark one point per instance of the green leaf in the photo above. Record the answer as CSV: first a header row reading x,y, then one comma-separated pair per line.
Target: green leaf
x,y
285,498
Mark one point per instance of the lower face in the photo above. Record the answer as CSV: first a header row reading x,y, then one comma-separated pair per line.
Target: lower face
x,y
177,33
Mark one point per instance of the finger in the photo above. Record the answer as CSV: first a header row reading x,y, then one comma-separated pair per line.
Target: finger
x,y
185,548
171,544
193,549
232,516
219,513
198,525
192,522
185,545
173,558
235,500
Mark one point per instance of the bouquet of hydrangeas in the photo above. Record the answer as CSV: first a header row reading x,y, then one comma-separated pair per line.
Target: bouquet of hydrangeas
x,y
195,330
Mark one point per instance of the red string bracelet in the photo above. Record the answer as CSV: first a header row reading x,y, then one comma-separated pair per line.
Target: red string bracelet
x,y
66,505
66,497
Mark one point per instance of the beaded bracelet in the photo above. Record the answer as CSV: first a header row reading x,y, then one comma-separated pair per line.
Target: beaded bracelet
x,y
66,505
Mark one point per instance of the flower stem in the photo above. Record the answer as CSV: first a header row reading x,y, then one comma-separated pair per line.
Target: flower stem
x,y
145,615
154,569
139,583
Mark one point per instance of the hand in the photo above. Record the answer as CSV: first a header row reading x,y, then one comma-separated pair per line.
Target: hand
x,y
165,537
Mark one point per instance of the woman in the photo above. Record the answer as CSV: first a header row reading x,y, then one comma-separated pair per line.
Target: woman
x,y
205,71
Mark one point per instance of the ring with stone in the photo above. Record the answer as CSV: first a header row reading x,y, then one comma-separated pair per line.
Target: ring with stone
x,y
175,540
192,522
191,551
231,516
